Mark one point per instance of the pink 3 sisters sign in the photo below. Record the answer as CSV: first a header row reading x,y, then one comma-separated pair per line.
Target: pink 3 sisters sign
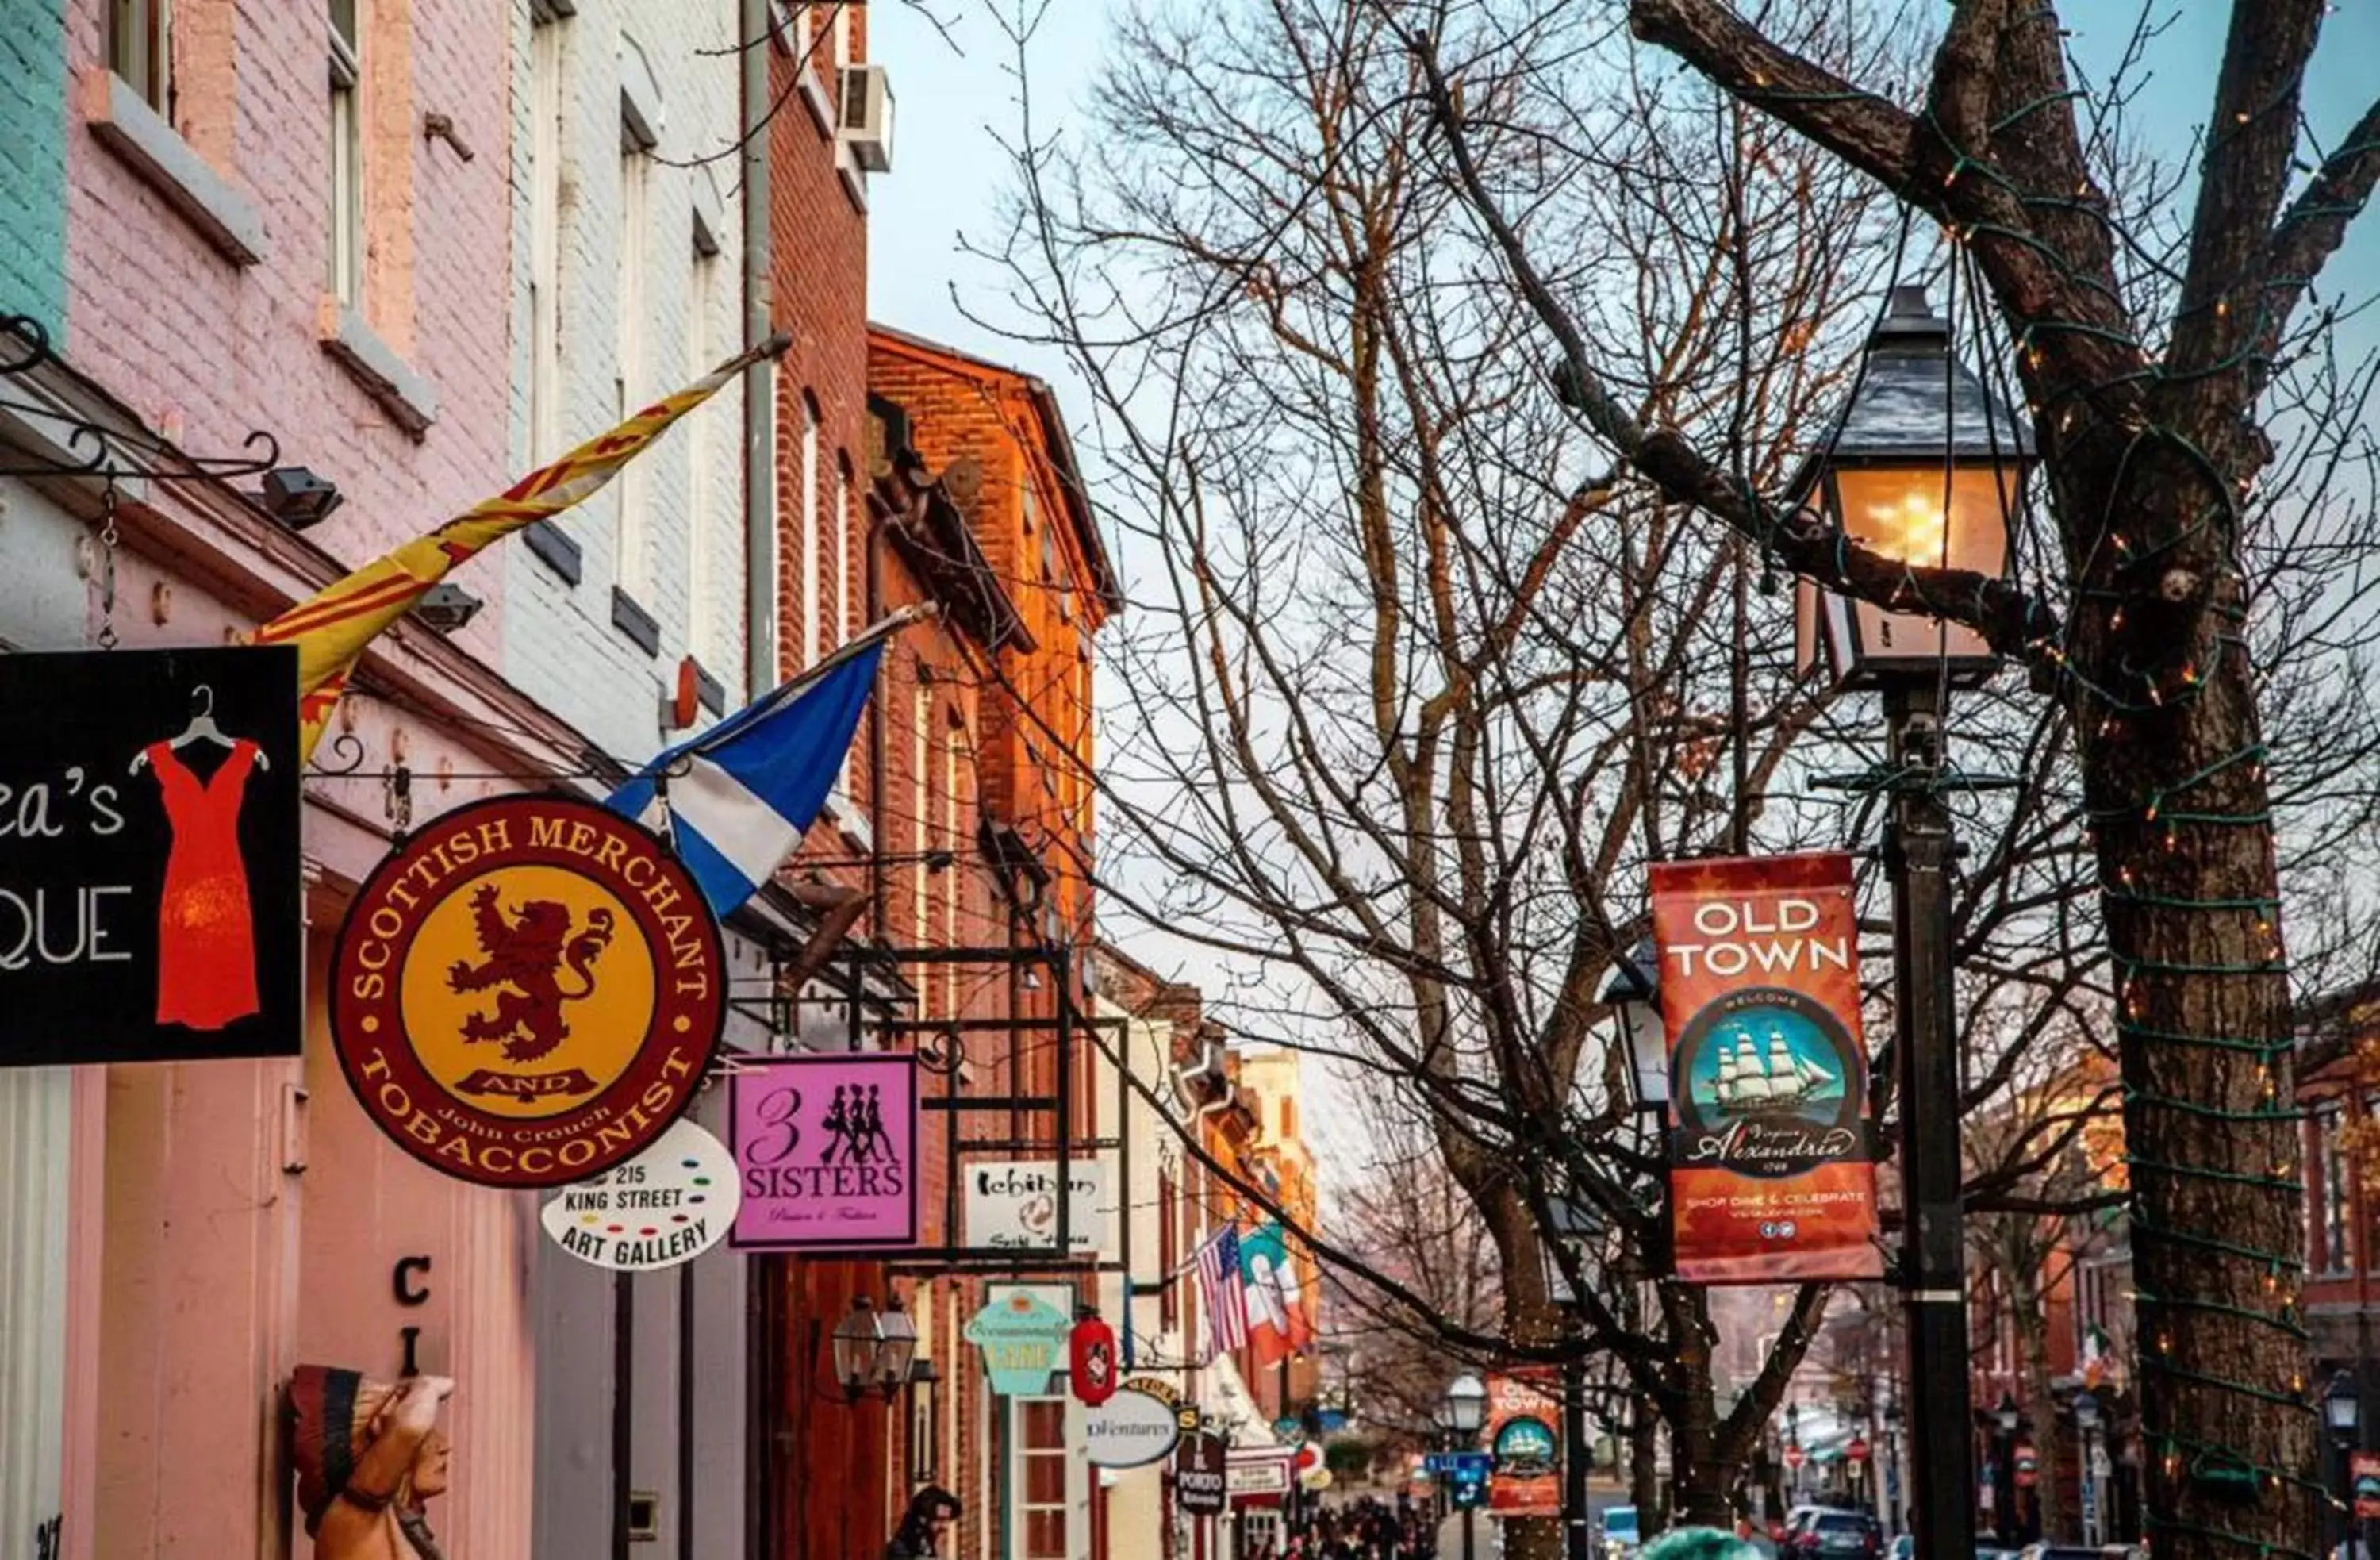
x,y
825,1150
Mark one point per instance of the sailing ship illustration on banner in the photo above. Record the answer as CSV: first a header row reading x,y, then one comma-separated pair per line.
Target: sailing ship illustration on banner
x,y
1781,1078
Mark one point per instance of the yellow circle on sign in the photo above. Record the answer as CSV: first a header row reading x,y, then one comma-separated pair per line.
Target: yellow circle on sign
x,y
528,992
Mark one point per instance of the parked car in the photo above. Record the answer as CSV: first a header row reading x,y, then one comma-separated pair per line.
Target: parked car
x,y
1621,1532
1905,1547
1994,1551
1829,1534
2059,1552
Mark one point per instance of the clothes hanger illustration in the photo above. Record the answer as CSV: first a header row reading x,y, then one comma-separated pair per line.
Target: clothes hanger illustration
x,y
203,728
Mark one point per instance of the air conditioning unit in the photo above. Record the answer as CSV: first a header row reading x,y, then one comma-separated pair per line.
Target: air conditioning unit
x,y
867,126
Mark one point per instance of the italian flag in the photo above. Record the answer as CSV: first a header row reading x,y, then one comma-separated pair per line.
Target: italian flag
x,y
1276,1323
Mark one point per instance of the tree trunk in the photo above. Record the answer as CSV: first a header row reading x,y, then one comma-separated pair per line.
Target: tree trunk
x,y
1644,1467
2174,777
2040,1403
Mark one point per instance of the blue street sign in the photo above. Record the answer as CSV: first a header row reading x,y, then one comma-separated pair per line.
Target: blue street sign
x,y
1467,1494
1463,1468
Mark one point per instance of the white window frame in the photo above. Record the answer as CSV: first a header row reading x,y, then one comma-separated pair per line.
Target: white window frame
x,y
1076,1495
702,614
633,536
843,625
545,74
347,208
140,50
953,744
809,532
921,728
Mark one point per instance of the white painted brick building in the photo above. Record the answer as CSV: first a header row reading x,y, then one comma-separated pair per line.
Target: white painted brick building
x,y
627,283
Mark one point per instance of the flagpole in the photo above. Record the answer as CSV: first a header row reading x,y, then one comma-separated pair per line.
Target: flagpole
x,y
791,687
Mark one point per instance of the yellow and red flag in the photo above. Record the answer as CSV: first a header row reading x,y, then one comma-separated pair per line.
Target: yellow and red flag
x,y
331,629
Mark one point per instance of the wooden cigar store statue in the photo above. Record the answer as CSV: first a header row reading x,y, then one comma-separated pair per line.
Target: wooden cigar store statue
x,y
367,1455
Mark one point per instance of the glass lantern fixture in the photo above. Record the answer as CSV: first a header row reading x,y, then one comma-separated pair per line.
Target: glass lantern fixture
x,y
2007,1414
872,1350
1466,1403
857,1339
2339,1407
1634,990
2086,1412
1923,464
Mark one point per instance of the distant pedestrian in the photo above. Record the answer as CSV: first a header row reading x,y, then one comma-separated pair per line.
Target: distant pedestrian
x,y
919,1537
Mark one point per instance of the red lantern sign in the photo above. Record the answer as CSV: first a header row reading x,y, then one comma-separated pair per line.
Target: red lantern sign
x,y
1091,1361
1857,1450
1793,1456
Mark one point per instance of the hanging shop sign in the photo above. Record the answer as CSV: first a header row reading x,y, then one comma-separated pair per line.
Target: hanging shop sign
x,y
825,1147
1198,1474
2027,1465
1091,1361
527,991
1257,1475
148,858
1527,1453
2364,1480
1130,1429
1012,1204
1022,1331
668,1205
1771,1178
1186,1413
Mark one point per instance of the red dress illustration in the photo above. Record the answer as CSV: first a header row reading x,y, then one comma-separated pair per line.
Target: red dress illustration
x,y
206,933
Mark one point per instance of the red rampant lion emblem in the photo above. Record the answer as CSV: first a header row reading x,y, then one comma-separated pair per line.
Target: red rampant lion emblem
x,y
527,954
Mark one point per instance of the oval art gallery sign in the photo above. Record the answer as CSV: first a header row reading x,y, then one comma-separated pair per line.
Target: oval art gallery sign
x,y
527,992
668,1205
1129,1430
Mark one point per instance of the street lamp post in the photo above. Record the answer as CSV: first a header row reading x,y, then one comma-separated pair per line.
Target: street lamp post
x,y
2086,1422
1923,466
1890,1481
2005,1419
2341,1411
1466,1411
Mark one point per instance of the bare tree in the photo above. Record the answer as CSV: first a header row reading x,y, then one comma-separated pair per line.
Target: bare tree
x,y
2150,367
1425,681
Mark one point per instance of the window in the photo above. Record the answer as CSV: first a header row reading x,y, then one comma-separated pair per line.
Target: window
x,y
921,715
545,239
628,382
347,153
140,49
842,551
809,532
2334,1194
948,839
702,617
1042,1483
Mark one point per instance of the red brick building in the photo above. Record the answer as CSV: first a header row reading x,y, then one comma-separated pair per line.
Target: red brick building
x,y
982,826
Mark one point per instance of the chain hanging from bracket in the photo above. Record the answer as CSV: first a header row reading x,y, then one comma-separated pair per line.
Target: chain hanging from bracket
x,y
109,537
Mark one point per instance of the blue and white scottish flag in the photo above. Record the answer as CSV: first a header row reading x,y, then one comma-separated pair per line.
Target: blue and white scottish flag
x,y
736,799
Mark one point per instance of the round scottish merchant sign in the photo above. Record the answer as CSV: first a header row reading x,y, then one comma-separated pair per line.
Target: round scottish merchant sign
x,y
527,992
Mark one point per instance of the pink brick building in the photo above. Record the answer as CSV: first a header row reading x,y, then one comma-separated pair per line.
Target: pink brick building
x,y
291,217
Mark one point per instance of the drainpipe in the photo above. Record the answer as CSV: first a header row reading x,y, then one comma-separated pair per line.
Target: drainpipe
x,y
759,402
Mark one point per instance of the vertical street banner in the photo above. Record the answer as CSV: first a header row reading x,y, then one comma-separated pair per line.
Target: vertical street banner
x,y
1771,1178
1522,1414
825,1148
149,856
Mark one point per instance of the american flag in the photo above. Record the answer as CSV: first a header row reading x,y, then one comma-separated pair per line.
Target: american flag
x,y
1222,1294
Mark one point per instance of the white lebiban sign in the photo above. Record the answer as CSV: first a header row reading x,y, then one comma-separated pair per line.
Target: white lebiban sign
x,y
1130,1429
1012,1204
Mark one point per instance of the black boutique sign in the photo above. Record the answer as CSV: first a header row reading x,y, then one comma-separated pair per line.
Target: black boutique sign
x,y
149,884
